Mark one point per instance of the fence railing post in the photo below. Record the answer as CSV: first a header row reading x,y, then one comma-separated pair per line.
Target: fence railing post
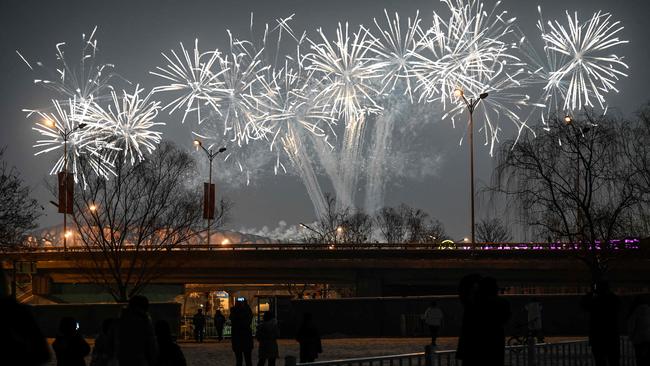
x,y
289,361
429,354
532,350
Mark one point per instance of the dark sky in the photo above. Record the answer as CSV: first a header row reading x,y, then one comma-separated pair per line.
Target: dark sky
x,y
133,33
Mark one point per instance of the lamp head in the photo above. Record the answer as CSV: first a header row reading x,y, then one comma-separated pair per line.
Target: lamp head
x,y
568,119
82,125
92,208
197,143
48,123
222,149
458,93
483,95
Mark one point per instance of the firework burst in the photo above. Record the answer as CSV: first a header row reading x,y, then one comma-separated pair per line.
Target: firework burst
x,y
67,126
395,52
84,81
196,77
128,124
584,68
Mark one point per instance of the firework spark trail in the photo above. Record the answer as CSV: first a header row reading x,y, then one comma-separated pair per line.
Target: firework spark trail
x,y
380,149
587,70
84,82
294,147
347,72
394,52
195,78
82,144
127,123
294,110
474,50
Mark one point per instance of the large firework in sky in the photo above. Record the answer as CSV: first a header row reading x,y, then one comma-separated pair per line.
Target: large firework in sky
x,y
326,105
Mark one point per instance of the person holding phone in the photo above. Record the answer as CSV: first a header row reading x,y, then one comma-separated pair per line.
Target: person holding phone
x,y
69,346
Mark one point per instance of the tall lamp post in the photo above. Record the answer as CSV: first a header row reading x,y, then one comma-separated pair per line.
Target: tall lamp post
x,y
471,106
66,182
208,190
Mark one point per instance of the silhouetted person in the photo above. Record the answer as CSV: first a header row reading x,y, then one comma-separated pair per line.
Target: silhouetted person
x,y
241,317
493,312
133,341
219,323
199,325
169,353
267,336
433,318
309,339
603,307
638,324
468,340
102,355
69,346
21,340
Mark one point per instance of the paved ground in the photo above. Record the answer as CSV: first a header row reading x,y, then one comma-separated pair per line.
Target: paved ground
x,y
213,353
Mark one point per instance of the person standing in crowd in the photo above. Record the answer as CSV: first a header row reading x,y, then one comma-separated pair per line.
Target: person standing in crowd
x,y
493,313
267,336
603,306
133,341
638,324
101,355
219,323
241,318
469,339
534,311
69,346
309,339
170,353
21,340
199,325
433,318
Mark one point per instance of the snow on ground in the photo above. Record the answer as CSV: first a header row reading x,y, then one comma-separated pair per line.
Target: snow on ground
x,y
219,353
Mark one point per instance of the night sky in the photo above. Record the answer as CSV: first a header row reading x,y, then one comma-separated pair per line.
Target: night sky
x,y
133,33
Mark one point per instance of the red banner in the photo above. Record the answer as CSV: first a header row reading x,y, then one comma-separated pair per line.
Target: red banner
x,y
66,192
208,201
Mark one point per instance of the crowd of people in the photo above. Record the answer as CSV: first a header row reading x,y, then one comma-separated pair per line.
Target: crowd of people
x,y
133,339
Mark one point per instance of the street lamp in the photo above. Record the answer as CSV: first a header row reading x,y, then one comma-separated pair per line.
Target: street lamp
x,y
338,230
208,190
471,106
66,184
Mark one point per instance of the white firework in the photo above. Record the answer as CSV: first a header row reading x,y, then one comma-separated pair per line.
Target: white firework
x,y
461,51
85,146
128,124
474,51
346,71
84,81
394,53
584,67
196,77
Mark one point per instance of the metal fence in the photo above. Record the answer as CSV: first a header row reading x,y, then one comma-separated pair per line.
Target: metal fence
x,y
571,353
187,328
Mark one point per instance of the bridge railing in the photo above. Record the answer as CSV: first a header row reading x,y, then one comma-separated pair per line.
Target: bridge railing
x,y
551,354
618,245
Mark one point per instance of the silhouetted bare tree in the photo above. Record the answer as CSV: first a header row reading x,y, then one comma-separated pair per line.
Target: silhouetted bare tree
x,y
574,182
390,223
18,212
492,231
406,224
129,225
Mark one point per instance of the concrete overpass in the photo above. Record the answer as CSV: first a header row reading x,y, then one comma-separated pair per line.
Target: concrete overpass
x,y
371,269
